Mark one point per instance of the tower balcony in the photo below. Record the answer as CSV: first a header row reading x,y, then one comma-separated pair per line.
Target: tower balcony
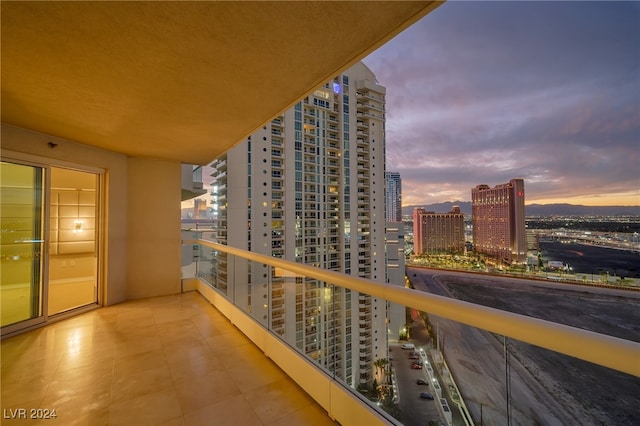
x,y
157,346
194,353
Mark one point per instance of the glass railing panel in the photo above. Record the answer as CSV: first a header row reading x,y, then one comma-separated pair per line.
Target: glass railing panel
x,y
193,253
215,268
489,379
420,368
315,318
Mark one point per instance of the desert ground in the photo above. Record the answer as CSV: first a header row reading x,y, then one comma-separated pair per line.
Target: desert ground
x,y
546,388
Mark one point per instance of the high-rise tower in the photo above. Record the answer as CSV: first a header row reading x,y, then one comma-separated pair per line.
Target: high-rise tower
x,y
309,187
394,196
499,221
394,249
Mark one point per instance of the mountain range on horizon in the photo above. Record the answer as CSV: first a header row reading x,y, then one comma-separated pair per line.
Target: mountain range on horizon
x,y
541,210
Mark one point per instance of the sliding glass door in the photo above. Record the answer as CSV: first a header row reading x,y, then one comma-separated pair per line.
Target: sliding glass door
x,y
50,222
73,255
21,243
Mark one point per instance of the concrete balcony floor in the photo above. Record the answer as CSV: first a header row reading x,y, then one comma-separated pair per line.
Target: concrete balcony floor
x,y
171,360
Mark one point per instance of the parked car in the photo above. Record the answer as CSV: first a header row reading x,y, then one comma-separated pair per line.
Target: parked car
x,y
414,355
416,366
426,395
408,346
422,382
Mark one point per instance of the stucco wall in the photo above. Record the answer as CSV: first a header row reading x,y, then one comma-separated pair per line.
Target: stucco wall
x,y
141,241
154,238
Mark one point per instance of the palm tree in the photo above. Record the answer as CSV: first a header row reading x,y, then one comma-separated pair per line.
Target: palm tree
x,y
381,368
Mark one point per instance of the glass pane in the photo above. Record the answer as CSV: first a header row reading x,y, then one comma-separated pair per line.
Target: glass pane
x,y
21,241
427,369
73,258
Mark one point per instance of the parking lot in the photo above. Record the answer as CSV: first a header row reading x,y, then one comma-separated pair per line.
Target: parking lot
x,y
415,410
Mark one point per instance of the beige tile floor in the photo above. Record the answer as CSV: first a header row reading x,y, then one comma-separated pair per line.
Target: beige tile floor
x,y
173,361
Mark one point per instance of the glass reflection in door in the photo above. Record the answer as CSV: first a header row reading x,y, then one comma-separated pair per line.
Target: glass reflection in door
x,y
21,242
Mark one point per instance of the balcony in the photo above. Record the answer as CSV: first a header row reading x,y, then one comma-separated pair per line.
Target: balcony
x,y
173,126
366,94
76,365
172,359
375,116
332,136
604,350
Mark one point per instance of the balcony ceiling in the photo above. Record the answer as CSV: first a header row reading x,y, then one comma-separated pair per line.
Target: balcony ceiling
x,y
178,80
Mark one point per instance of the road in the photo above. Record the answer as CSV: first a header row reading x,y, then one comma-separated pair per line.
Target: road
x,y
546,388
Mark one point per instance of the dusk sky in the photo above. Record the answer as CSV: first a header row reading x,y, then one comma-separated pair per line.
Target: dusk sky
x,y
483,92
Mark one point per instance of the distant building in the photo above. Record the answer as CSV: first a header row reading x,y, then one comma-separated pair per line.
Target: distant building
x,y
438,232
200,209
498,221
395,268
394,196
417,229
394,250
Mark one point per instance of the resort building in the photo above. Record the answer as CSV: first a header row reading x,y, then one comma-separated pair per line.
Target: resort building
x,y
499,222
438,232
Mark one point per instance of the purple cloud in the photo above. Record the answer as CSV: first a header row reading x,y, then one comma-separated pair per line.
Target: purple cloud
x,y
481,92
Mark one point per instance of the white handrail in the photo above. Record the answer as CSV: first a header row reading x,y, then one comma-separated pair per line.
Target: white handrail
x,y
608,351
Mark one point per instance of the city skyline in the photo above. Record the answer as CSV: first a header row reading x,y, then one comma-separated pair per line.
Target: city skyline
x,y
483,92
